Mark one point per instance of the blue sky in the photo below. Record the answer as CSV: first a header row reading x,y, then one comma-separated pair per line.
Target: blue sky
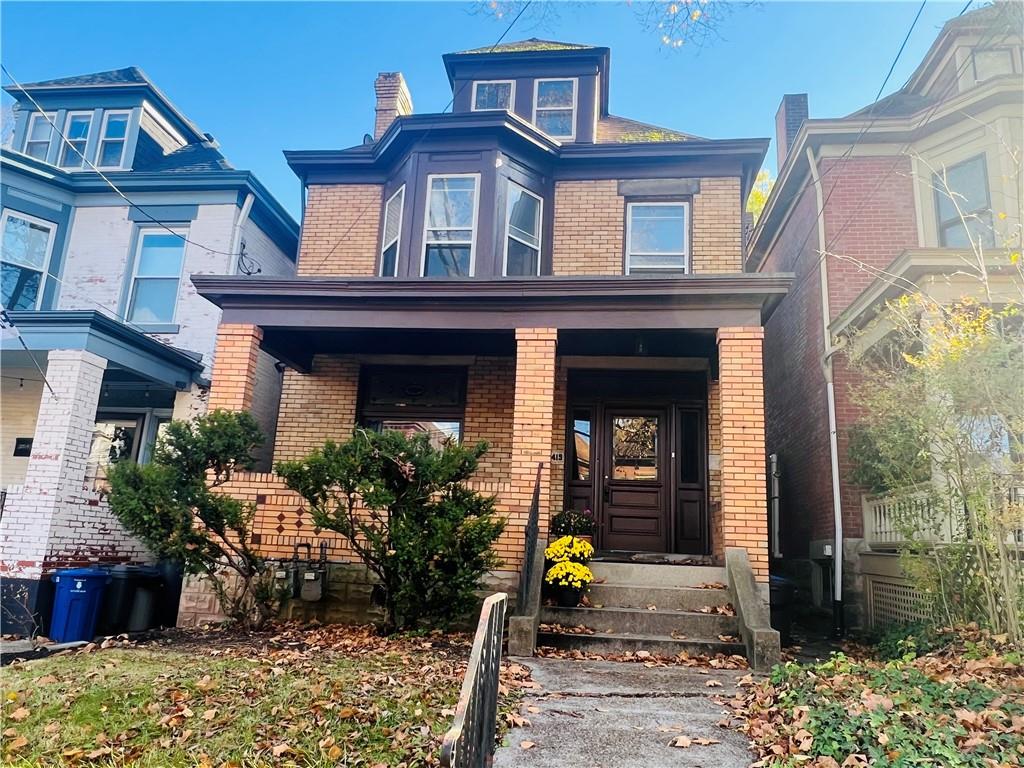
x,y
265,76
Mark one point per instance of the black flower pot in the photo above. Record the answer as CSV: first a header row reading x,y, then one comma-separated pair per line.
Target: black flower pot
x,y
568,597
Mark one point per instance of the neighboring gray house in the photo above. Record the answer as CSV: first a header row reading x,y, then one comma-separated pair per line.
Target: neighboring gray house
x,y
105,338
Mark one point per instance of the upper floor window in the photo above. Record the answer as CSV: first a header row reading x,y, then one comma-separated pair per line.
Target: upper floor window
x,y
493,94
392,233
112,140
450,225
522,234
76,130
158,264
992,62
554,107
27,243
40,131
962,205
657,237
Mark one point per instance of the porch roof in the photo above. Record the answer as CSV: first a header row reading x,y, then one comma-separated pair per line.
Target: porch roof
x,y
121,346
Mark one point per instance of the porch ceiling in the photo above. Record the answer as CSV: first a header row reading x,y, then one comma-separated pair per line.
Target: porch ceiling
x,y
569,303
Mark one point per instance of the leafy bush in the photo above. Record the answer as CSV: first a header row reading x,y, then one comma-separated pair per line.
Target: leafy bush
x,y
573,522
902,641
171,505
402,506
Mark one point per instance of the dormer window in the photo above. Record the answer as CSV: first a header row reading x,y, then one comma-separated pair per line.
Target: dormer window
x,y
112,140
493,94
76,130
991,62
40,131
450,225
554,107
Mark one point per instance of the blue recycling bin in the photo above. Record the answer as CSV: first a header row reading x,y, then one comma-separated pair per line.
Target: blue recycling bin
x,y
76,604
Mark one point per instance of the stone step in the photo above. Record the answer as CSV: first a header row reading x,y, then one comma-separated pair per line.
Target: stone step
x,y
658,645
660,575
667,598
640,621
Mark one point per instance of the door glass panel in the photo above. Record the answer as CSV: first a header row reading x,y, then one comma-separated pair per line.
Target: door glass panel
x,y
580,445
689,460
635,448
113,440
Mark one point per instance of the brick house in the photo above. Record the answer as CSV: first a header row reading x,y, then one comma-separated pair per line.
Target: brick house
x,y
532,271
105,339
864,190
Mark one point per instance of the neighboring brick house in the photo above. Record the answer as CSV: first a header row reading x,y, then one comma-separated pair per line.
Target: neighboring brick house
x,y
535,272
98,301
863,190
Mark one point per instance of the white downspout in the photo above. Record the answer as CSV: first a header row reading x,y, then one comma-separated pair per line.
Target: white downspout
x,y
838,616
236,236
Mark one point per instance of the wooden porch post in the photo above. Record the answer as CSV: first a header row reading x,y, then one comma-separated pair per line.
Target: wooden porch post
x,y
744,477
234,366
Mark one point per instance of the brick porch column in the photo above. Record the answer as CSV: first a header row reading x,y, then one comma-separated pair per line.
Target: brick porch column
x,y
532,422
234,366
744,491
56,469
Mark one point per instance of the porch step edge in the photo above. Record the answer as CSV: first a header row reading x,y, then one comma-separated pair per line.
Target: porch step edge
x,y
658,645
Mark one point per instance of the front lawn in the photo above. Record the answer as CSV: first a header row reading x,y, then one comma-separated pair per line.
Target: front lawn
x,y
959,706
309,698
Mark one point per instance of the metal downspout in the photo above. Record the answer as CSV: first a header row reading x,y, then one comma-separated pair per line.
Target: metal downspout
x,y
838,614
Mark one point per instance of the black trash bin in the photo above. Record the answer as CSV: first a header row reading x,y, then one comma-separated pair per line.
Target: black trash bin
x,y
117,600
782,592
173,573
145,613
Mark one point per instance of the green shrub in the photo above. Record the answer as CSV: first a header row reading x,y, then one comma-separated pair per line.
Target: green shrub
x,y
899,641
402,506
172,505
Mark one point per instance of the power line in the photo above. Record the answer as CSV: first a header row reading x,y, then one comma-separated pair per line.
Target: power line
x,y
5,322
426,133
106,178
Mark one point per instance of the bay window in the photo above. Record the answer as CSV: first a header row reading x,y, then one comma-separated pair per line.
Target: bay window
x,y
554,107
522,234
392,233
154,290
27,244
657,238
450,227
962,205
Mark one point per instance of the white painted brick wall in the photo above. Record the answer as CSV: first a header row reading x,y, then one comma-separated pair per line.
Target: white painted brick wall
x,y
96,259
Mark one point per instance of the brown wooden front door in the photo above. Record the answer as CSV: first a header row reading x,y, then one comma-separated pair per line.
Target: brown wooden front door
x,y
635,482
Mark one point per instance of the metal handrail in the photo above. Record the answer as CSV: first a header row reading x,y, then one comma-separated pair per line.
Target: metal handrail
x,y
530,536
469,743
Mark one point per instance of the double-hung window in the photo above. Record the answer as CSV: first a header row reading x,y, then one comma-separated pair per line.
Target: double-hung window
x,y
158,264
27,243
450,225
76,130
112,140
40,132
962,205
554,107
657,238
522,235
392,233
493,94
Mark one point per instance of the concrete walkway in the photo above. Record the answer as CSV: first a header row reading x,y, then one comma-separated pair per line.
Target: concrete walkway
x,y
600,714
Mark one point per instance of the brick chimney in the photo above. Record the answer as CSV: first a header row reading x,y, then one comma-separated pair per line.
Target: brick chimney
x,y
792,112
393,100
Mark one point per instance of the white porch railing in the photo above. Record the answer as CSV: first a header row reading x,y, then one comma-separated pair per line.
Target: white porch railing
x,y
887,519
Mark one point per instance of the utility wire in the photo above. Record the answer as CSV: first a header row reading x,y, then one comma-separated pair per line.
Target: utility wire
x,y
451,102
5,322
106,178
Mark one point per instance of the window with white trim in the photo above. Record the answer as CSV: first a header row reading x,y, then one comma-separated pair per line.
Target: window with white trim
x,y
450,226
39,134
963,206
112,140
158,261
991,62
554,107
27,245
392,233
522,232
493,94
657,237
76,130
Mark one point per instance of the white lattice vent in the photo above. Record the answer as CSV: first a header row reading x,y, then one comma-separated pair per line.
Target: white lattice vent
x,y
892,601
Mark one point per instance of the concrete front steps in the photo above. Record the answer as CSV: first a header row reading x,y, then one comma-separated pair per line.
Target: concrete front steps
x,y
641,607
